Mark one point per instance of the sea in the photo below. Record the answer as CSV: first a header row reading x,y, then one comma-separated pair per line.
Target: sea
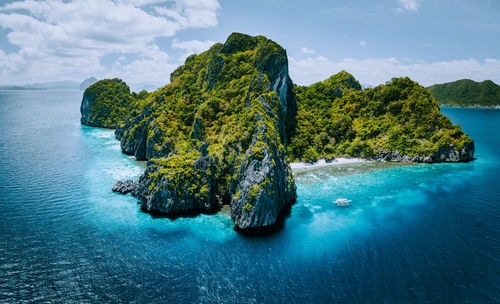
x,y
426,233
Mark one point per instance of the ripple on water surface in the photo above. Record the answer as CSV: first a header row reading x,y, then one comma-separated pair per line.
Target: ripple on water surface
x,y
414,233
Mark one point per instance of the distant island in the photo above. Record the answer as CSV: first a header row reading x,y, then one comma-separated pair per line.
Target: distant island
x,y
18,88
87,83
467,93
65,84
69,84
226,128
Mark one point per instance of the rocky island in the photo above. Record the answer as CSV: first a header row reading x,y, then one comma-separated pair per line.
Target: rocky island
x,y
398,121
225,129
467,93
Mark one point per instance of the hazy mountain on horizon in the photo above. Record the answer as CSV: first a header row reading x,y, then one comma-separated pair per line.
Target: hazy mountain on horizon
x,y
148,86
87,83
64,84
70,84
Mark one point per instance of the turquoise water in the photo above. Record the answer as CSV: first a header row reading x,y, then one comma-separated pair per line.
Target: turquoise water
x,y
414,233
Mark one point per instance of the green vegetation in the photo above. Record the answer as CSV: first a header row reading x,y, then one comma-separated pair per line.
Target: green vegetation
x,y
337,118
467,93
184,179
220,99
225,128
108,102
247,207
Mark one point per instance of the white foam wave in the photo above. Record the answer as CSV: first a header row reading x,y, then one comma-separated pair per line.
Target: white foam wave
x,y
124,172
323,163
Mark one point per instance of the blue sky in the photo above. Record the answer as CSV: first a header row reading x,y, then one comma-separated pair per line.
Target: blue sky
x,y
144,40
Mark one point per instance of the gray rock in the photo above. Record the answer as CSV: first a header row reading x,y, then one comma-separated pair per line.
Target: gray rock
x,y
125,187
276,67
85,107
139,137
444,154
258,183
182,192
264,186
133,133
156,147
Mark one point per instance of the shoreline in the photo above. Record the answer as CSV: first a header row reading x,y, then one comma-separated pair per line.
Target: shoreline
x,y
324,163
497,107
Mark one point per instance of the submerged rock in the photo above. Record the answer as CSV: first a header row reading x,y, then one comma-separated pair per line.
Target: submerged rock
x,y
125,187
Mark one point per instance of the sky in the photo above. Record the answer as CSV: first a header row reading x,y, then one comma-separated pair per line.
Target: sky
x,y
143,41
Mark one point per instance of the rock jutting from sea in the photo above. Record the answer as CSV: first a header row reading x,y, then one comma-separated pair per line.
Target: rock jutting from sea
x,y
224,130
397,121
217,134
126,186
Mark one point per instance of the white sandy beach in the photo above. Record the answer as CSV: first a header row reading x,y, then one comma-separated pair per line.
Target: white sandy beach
x,y
324,163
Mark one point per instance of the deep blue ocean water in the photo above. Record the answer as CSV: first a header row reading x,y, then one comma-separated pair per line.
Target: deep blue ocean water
x,y
414,234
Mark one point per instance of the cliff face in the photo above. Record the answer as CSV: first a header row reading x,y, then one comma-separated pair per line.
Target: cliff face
x,y
106,103
180,183
264,182
217,134
221,131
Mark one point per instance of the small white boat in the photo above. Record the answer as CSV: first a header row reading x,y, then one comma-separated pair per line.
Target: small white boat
x,y
342,202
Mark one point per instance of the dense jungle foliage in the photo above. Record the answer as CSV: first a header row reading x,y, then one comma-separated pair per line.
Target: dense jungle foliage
x,y
220,99
467,93
337,118
216,97
112,102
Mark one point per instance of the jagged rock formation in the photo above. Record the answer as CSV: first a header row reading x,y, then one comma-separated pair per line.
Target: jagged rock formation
x,y
125,187
220,133
217,134
264,183
449,154
192,187
106,103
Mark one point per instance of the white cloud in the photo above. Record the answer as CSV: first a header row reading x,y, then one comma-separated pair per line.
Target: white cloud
x,y
192,13
306,50
192,46
67,40
379,70
409,5
153,63
363,43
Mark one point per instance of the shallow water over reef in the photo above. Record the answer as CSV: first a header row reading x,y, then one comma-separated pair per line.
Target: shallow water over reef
x,y
414,233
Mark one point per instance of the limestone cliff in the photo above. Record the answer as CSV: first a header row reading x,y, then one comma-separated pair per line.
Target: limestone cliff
x,y
201,134
106,103
223,131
